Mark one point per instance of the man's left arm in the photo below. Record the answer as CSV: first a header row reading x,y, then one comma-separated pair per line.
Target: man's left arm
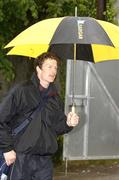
x,y
66,123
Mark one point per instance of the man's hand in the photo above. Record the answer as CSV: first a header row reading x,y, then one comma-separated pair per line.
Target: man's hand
x,y
72,119
10,157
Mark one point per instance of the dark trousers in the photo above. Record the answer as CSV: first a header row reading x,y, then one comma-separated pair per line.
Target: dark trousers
x,y
31,167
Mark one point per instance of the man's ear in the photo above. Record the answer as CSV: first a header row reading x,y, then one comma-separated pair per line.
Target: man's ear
x,y
38,69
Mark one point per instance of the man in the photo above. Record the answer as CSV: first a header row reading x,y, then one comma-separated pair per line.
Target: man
x,y
29,153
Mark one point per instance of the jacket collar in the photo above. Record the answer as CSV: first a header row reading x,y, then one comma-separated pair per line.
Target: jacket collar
x,y
51,91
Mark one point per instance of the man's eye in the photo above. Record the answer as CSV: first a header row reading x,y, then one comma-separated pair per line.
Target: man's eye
x,y
49,67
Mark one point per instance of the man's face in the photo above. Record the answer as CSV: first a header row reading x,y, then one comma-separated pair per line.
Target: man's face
x,y
48,71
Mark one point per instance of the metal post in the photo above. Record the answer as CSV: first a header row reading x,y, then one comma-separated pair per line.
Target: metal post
x,y
66,166
86,126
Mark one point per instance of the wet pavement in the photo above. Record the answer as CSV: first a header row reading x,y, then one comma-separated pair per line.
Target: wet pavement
x,y
92,172
87,178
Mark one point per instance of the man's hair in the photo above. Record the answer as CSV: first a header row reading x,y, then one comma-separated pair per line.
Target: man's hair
x,y
44,56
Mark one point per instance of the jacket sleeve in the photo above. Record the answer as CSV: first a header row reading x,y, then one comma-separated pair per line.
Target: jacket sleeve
x,y
8,109
61,126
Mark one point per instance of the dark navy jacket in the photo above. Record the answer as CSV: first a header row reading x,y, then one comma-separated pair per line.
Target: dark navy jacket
x,y
21,101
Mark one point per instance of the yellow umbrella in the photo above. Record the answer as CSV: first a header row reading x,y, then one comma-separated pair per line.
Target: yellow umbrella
x,y
29,50
39,33
100,52
94,39
105,53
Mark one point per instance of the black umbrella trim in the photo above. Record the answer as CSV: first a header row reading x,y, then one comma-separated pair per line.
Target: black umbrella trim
x,y
66,51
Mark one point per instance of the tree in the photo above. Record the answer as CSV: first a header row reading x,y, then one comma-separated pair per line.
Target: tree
x,y
101,8
17,15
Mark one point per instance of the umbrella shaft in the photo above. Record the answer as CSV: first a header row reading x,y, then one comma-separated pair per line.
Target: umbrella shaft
x,y
74,66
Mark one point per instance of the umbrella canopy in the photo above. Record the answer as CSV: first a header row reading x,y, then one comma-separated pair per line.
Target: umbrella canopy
x,y
98,52
93,39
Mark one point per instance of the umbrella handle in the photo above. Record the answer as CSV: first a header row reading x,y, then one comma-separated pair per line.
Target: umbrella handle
x,y
73,108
